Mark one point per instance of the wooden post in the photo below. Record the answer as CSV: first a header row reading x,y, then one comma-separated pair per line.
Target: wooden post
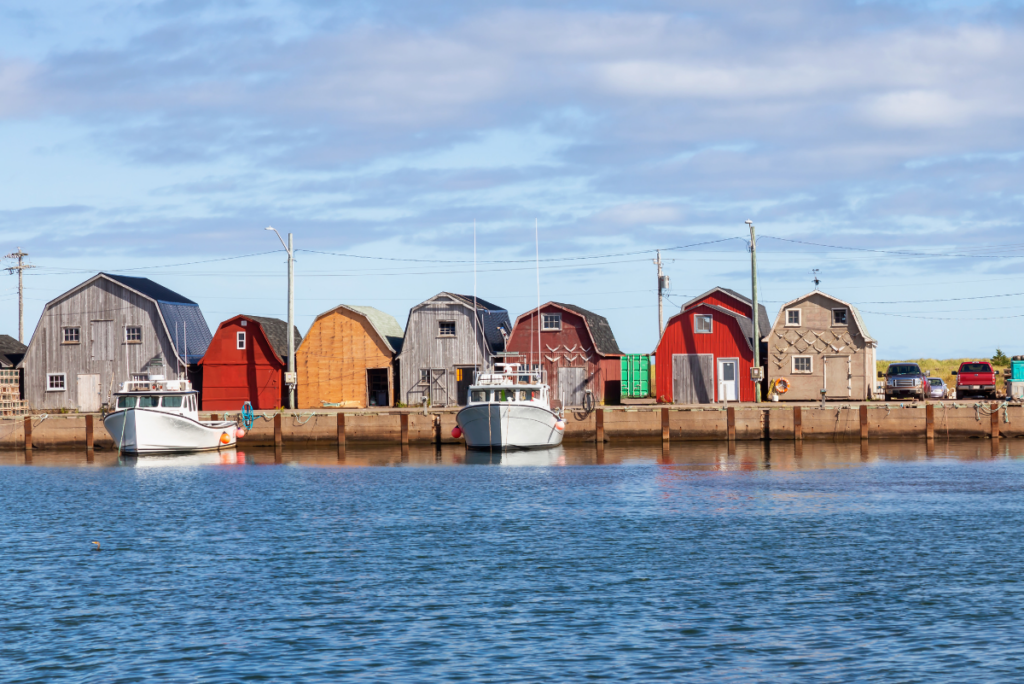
x,y
599,422
730,422
664,426
995,421
28,433
88,431
798,427
863,421
341,429
405,429
929,421
278,437
214,416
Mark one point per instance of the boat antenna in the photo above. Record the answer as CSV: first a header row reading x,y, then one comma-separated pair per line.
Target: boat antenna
x,y
476,314
536,242
177,361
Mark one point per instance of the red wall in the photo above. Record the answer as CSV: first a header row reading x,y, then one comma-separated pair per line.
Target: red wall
x,y
234,376
574,333
728,302
725,341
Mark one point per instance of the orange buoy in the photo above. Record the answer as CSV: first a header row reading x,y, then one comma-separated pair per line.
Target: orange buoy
x,y
224,438
560,425
239,433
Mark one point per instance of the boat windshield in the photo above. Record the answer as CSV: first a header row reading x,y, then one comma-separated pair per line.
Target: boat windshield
x,y
480,396
172,402
126,402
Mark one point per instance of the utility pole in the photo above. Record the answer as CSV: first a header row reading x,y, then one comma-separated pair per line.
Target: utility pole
x,y
20,268
289,378
662,286
753,287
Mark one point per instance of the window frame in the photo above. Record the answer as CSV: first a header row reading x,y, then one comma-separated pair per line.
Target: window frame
x,y
711,324
68,328
127,339
544,327
810,363
846,317
440,327
799,318
63,382
240,339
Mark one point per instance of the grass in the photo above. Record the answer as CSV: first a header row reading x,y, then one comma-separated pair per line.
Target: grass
x,y
943,368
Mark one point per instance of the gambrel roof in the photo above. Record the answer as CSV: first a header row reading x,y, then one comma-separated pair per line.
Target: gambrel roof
x,y
763,321
385,325
850,307
491,317
597,325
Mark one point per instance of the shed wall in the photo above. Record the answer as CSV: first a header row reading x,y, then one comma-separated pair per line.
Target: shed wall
x,y
333,359
233,376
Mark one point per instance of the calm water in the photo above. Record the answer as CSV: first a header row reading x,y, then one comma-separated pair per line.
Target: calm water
x,y
897,563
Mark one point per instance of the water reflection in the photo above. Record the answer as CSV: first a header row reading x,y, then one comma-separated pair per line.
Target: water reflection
x,y
707,456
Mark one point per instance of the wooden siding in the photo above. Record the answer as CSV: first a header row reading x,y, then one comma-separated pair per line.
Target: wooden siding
x,y
816,337
726,340
233,376
570,347
729,302
333,359
424,349
101,311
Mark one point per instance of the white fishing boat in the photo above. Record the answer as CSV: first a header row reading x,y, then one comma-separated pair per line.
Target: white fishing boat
x,y
158,415
510,409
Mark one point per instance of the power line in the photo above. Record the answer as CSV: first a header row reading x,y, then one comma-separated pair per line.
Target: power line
x,y
906,253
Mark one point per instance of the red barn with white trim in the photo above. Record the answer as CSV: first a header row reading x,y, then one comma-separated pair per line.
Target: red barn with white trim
x,y
707,349
246,361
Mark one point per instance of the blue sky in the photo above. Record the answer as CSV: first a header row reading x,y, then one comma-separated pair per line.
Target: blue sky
x,y
151,135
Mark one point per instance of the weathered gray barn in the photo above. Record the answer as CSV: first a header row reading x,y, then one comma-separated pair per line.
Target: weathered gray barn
x,y
100,333
441,350
820,343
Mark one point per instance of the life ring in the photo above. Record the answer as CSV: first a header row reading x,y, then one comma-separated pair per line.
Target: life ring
x,y
781,385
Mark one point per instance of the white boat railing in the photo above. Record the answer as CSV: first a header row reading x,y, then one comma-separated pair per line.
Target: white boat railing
x,y
505,374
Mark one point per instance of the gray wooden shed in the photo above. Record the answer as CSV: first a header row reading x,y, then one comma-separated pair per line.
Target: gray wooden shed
x,y
441,350
104,331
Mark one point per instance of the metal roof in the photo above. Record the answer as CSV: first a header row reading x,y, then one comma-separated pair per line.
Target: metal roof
x,y
11,351
763,321
853,311
490,315
185,324
600,331
389,329
276,331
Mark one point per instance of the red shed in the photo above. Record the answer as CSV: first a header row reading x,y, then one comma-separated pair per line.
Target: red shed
x,y
707,350
576,347
245,362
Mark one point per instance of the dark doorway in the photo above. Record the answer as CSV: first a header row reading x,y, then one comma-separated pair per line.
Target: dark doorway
x,y
377,387
463,379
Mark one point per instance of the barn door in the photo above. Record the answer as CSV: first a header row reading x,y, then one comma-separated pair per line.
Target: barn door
x,y
572,385
837,376
89,398
693,378
101,338
438,387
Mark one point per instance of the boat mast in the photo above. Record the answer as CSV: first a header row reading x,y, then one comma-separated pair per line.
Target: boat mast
x,y
536,242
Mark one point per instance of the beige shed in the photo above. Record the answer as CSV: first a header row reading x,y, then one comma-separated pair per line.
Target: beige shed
x,y
820,342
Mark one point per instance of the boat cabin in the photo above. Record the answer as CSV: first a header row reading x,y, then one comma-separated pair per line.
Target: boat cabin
x,y
510,384
158,394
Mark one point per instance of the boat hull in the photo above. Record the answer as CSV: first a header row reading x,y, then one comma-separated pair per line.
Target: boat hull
x,y
142,431
509,426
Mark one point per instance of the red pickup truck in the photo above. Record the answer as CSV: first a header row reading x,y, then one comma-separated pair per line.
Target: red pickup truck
x,y
975,378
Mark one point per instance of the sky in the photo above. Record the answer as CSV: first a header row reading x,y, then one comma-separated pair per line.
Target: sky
x,y
877,146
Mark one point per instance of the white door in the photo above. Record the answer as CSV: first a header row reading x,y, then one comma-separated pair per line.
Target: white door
x,y
89,393
728,387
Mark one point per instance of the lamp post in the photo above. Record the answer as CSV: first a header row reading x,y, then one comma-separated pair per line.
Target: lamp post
x,y
753,287
289,378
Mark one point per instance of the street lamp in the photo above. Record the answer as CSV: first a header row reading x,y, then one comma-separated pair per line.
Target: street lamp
x,y
289,377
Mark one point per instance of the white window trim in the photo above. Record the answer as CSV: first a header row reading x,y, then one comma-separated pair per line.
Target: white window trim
x,y
711,324
802,356
63,334
63,376
799,315
840,325
441,334
240,339
545,328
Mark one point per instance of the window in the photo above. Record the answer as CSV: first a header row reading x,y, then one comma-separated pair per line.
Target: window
x,y
133,334
149,402
551,322
446,328
172,402
802,364
240,340
702,324
480,396
72,335
56,382
424,376
793,317
126,402
838,316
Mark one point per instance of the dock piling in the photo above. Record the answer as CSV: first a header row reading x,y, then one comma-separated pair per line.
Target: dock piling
x,y
88,432
929,421
995,421
405,430
278,437
664,426
341,430
798,427
863,421
599,422
730,421
28,433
